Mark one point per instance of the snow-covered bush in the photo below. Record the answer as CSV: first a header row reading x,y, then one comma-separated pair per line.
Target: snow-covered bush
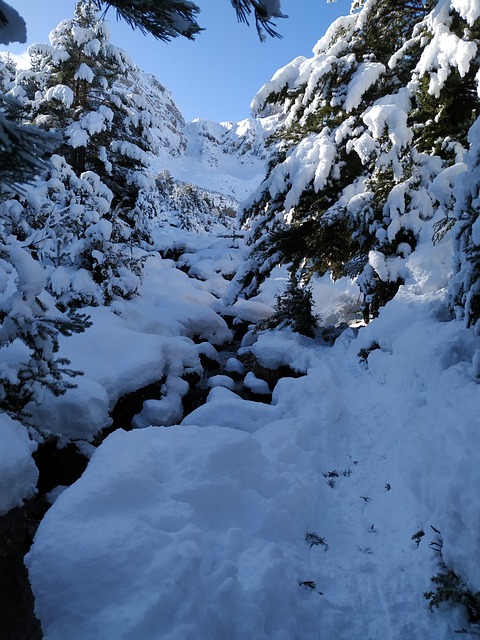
x,y
465,288
30,325
85,87
68,223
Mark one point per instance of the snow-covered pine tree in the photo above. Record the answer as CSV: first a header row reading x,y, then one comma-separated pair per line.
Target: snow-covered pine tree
x,y
87,89
30,326
352,185
465,288
190,207
22,149
30,323
163,19
294,308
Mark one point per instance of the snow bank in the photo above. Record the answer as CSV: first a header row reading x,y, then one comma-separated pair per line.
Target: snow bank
x,y
79,414
18,473
179,533
130,345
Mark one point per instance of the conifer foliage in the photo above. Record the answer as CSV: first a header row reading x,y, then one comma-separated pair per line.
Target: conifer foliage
x,y
364,158
167,19
89,218
293,309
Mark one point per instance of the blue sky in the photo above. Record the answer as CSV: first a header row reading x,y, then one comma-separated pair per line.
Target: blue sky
x,y
216,76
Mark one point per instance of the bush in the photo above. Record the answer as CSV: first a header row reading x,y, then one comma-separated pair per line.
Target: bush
x,y
451,588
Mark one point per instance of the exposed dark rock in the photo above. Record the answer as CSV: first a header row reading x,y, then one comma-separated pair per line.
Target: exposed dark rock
x,y
192,377
173,253
265,398
209,363
234,375
130,404
238,326
58,465
196,397
271,376
331,333
17,528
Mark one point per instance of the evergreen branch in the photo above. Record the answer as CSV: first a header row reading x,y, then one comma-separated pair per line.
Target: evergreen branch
x,y
164,19
22,147
442,227
263,22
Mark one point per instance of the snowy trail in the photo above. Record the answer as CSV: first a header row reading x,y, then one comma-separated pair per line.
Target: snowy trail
x,y
370,577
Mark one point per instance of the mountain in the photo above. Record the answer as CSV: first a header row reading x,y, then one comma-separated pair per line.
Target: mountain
x,y
226,157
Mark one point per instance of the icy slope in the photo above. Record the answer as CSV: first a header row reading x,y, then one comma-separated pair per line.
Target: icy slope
x,y
296,520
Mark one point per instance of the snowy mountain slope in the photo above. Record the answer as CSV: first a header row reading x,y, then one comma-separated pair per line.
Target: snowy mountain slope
x,y
170,122
228,157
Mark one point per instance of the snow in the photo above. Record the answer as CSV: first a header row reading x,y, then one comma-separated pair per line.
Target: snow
x,y
468,9
18,473
78,414
234,366
84,73
256,385
78,137
62,93
285,76
221,381
242,519
213,513
129,150
196,527
226,158
390,117
311,160
363,78
138,344
446,50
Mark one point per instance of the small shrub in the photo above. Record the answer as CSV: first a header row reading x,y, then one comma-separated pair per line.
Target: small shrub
x,y
293,308
451,588
313,539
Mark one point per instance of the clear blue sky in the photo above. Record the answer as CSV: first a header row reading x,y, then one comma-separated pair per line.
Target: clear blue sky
x,y
216,76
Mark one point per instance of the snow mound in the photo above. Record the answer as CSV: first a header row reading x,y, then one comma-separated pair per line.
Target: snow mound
x,y
18,473
157,509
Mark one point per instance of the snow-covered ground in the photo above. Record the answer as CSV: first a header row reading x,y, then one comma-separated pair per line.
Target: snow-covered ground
x,y
299,519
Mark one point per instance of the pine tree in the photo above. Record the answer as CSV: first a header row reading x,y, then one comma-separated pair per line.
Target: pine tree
x,y
30,326
99,197
293,308
166,19
22,150
465,286
350,186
